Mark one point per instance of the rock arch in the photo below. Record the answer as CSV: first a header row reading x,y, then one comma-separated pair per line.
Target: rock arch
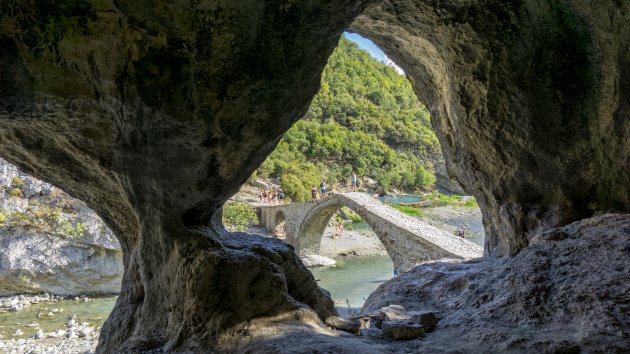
x,y
155,112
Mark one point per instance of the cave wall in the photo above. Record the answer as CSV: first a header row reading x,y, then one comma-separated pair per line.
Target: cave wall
x,y
528,99
155,112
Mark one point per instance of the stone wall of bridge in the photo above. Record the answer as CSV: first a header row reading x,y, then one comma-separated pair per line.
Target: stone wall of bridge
x,y
408,241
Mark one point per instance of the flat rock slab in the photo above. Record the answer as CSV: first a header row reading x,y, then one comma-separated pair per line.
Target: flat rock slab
x,y
352,326
400,330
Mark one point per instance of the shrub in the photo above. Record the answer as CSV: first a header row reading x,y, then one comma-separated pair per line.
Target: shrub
x,y
16,193
237,216
16,182
68,230
411,211
19,219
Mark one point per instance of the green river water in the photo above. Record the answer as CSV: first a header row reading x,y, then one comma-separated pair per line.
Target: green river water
x,y
352,279
52,316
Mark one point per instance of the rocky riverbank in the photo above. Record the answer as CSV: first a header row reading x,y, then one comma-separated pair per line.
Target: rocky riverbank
x,y
50,345
46,323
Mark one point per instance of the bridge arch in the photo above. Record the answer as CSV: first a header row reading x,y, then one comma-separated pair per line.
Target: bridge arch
x,y
279,224
314,224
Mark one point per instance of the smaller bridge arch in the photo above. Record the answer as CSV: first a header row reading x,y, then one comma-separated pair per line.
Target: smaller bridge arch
x,y
408,241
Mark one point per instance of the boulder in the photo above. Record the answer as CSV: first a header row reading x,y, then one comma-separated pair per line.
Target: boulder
x,y
352,326
428,320
314,260
402,329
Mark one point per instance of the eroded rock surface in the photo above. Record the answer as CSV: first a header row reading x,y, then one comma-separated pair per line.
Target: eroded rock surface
x,y
566,292
155,112
529,101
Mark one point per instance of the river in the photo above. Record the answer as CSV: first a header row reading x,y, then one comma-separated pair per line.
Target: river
x,y
353,279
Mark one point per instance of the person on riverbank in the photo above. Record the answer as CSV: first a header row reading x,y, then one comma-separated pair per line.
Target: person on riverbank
x,y
314,194
338,231
322,188
354,181
460,231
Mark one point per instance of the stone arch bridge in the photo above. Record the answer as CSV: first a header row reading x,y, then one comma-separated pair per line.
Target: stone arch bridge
x,y
408,241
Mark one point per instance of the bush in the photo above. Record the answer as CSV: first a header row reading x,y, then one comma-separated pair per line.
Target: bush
x,y
237,216
68,230
16,193
16,182
19,219
411,211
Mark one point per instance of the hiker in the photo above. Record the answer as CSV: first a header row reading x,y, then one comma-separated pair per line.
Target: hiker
x,y
314,194
460,231
322,188
261,196
354,181
281,197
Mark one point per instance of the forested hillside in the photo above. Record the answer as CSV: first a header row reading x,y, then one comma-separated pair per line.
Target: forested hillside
x,y
366,117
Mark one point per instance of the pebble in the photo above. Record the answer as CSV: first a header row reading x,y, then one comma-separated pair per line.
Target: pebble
x,y
17,303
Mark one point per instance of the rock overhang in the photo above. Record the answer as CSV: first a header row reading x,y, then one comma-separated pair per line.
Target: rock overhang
x,y
87,112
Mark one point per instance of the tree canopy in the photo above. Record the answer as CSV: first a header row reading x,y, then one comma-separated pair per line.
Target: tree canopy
x,y
365,118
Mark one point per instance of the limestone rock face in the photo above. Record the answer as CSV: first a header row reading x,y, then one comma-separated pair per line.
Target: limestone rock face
x,y
52,243
565,292
155,112
36,263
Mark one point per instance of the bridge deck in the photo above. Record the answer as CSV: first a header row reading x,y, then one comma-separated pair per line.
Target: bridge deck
x,y
440,238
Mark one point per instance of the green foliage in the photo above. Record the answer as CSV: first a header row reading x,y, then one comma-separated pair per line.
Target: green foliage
x,y
3,217
439,199
19,219
365,118
409,210
16,193
68,230
16,182
237,216
356,218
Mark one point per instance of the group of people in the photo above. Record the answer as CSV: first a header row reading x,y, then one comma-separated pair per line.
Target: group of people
x,y
323,188
271,196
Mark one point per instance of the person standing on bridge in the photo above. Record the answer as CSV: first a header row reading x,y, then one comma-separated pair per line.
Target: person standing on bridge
x,y
322,187
354,181
314,194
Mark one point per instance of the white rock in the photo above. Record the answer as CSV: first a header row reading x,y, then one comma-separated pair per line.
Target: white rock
x,y
318,261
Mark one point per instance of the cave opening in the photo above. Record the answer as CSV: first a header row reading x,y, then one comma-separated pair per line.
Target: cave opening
x,y
365,120
154,115
61,267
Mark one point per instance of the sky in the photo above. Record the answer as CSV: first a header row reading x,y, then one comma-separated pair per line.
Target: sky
x,y
373,49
